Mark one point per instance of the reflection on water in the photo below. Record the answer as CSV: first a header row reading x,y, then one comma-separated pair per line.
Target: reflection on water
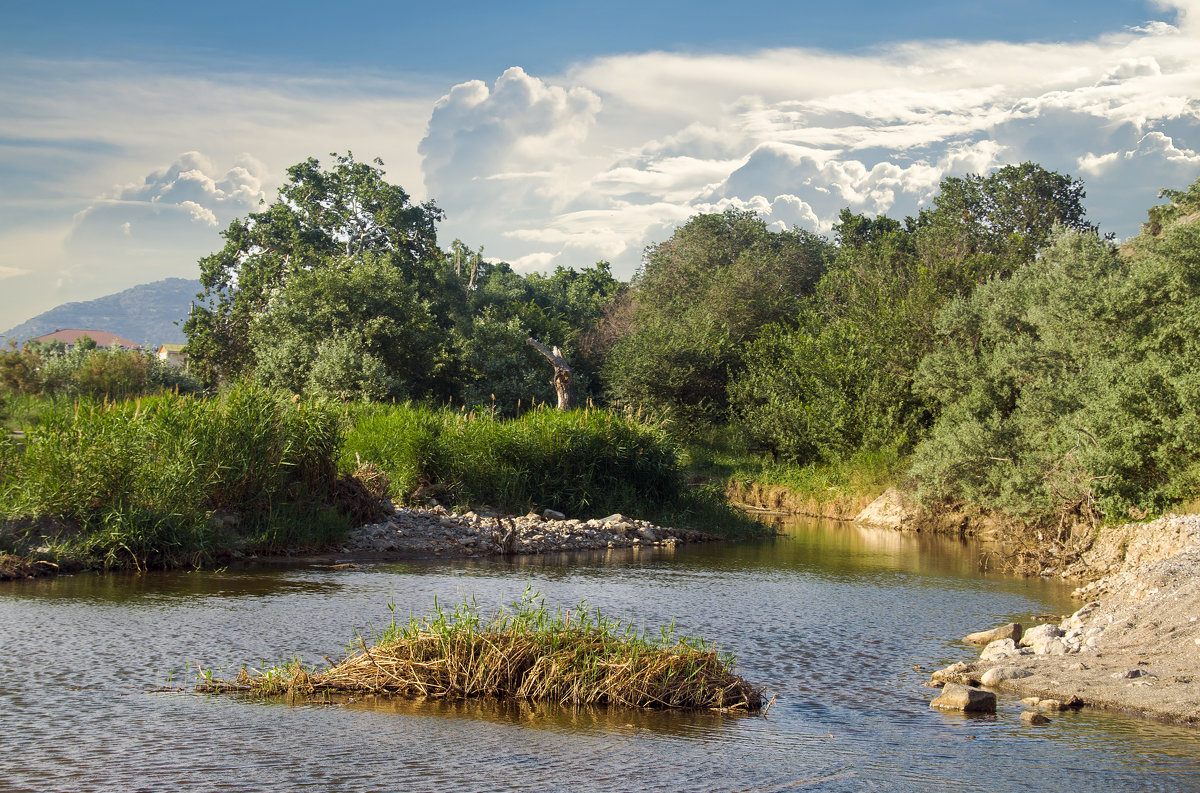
x,y
831,618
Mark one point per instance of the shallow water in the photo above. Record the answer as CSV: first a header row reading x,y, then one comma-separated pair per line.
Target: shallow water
x,y
830,618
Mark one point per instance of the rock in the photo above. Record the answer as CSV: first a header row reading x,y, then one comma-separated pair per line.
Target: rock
x,y
1040,633
890,511
1051,704
999,674
1010,631
1001,648
965,699
1130,674
616,517
1032,717
953,673
1031,701
1053,646
551,514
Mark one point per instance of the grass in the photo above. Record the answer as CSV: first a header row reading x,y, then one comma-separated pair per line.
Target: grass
x,y
574,657
721,458
583,463
136,483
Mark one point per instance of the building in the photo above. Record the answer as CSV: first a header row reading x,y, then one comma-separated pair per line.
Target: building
x,y
103,338
172,354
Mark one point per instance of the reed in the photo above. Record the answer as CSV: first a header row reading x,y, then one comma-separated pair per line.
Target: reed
x,y
525,652
582,462
136,483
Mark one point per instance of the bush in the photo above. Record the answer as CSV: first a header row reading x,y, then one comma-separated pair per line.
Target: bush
x,y
1072,388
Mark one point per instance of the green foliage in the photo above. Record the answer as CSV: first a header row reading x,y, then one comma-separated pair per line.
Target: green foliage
x,y
136,482
320,219
1071,388
699,298
582,462
355,329
841,380
87,370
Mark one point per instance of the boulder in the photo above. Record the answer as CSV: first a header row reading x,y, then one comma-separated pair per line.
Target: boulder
x,y
551,514
954,673
1010,631
1001,648
1040,633
1033,717
999,674
891,510
965,699
616,517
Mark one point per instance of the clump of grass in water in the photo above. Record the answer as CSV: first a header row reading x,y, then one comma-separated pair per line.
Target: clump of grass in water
x,y
574,657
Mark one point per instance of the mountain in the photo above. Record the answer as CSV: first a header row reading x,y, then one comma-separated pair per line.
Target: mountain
x,y
146,314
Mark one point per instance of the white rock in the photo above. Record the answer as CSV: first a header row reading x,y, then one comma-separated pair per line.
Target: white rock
x,y
1001,648
1040,633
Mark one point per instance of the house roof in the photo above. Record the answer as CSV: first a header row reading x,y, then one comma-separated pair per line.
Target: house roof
x,y
102,338
170,348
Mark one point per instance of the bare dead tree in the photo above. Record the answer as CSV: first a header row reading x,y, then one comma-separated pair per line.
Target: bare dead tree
x,y
564,377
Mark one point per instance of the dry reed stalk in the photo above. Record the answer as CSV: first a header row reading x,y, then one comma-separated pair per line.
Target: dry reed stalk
x,y
568,664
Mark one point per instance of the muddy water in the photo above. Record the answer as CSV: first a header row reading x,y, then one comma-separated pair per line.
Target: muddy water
x,y
831,619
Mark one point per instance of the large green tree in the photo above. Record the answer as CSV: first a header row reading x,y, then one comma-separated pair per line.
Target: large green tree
x,y
842,379
699,298
1072,388
320,218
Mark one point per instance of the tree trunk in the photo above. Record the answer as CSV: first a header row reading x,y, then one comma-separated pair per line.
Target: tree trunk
x,y
564,378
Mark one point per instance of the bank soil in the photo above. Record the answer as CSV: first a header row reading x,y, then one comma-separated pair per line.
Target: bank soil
x,y
1134,646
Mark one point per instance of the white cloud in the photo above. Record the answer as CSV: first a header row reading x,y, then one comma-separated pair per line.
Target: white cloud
x,y
797,135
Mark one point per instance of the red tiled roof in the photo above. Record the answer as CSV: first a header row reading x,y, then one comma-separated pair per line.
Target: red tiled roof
x,y
102,338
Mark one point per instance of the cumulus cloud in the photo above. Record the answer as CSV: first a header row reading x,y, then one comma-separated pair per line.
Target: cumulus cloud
x,y
187,199
606,158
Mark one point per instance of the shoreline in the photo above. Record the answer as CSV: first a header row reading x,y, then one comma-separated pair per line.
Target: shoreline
x,y
437,533
1133,647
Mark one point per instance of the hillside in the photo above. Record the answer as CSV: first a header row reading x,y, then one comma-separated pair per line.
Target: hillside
x,y
145,314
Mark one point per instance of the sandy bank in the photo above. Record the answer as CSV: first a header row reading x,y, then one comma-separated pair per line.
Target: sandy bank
x,y
1135,644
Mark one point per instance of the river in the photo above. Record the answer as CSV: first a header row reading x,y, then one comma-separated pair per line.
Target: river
x,y
831,619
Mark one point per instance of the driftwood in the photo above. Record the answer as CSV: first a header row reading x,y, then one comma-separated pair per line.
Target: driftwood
x,y
564,377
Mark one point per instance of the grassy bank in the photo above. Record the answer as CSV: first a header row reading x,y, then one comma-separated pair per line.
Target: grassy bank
x,y
723,459
584,463
576,657
173,480
138,483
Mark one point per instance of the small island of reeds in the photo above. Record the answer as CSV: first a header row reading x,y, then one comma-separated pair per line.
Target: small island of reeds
x,y
569,657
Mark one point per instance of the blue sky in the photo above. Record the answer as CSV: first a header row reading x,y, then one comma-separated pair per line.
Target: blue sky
x,y
556,133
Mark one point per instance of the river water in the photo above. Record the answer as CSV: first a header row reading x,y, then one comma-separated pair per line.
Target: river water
x,y
831,619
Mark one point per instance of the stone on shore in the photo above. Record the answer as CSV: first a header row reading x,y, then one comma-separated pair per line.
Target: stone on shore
x,y
1010,631
965,699
999,649
1032,717
552,514
999,674
892,510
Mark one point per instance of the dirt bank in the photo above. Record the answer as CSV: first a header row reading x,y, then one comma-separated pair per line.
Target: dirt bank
x,y
1135,644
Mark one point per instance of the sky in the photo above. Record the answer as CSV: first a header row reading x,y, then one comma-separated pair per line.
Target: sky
x,y
556,133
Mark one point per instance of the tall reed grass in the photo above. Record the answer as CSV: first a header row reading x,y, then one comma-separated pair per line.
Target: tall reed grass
x,y
582,462
137,482
573,657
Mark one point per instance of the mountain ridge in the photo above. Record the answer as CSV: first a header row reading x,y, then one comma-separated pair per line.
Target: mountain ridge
x,y
146,314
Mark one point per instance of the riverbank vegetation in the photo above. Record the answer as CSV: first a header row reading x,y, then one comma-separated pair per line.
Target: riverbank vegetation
x,y
996,351
572,657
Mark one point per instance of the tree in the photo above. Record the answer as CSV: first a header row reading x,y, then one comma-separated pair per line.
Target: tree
x,y
320,217
353,329
981,226
699,298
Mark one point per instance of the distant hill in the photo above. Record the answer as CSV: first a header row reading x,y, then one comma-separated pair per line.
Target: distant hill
x,y
146,314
